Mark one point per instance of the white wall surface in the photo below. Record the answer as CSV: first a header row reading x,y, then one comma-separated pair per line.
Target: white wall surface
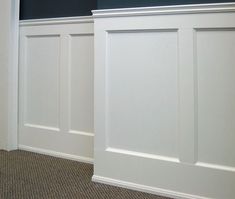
x,y
56,87
9,17
164,100
4,63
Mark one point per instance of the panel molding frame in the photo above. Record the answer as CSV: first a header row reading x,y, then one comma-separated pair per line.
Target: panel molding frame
x,y
108,33
42,127
24,73
199,163
142,155
69,63
215,166
82,133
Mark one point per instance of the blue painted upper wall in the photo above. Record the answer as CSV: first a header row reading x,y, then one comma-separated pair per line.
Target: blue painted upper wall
x,y
36,9
108,4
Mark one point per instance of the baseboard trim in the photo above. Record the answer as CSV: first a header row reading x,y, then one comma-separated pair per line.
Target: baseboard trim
x,y
143,188
56,154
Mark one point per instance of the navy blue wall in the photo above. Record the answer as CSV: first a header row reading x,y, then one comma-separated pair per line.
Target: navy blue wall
x,y
103,4
35,9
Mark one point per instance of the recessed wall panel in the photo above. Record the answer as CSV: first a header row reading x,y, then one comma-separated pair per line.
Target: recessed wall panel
x,y
81,82
42,80
216,96
142,91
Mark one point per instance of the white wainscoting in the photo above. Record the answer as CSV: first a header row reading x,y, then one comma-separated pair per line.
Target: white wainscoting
x,y
56,87
165,99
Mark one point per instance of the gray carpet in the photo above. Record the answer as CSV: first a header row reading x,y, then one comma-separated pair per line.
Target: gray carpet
x,y
26,175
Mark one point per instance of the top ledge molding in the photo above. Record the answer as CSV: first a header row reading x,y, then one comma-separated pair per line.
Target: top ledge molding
x,y
165,10
57,21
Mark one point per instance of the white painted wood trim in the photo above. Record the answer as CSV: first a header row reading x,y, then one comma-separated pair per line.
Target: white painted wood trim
x,y
192,31
166,10
142,188
42,127
56,21
143,155
215,166
12,134
82,133
35,135
57,154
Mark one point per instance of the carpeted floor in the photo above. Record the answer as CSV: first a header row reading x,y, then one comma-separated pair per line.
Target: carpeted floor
x,y
26,175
